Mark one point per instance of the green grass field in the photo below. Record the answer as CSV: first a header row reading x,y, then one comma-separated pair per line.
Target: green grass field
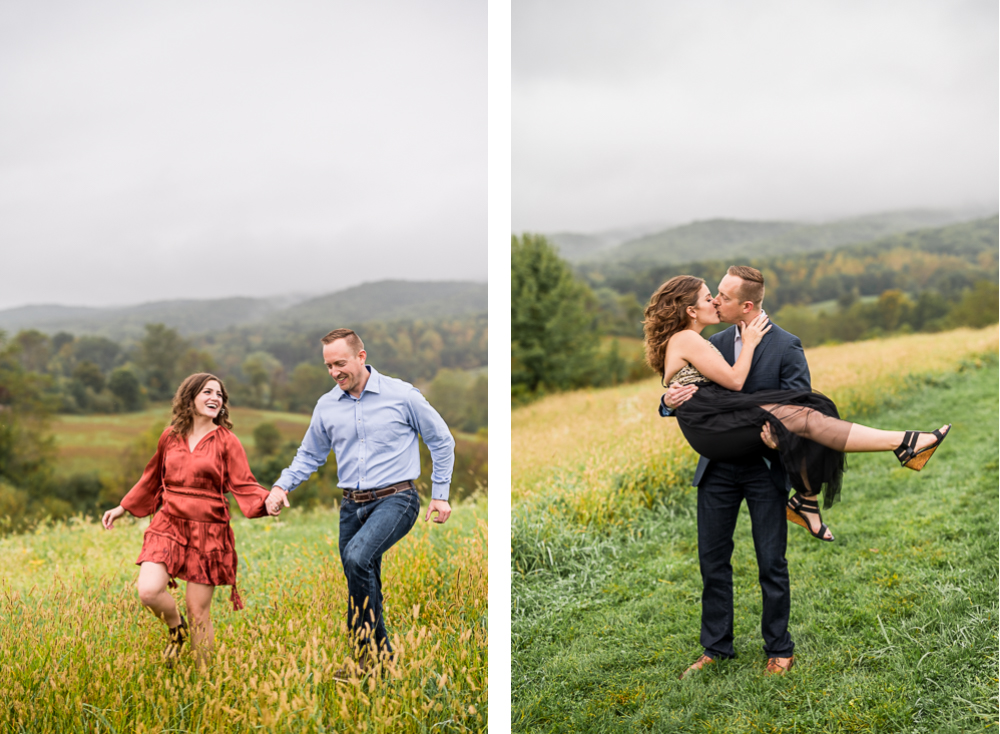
x,y
895,623
79,653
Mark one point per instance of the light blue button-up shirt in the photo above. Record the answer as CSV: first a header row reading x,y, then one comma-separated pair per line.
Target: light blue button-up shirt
x,y
374,438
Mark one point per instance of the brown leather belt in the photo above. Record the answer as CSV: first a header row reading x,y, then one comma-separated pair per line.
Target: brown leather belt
x,y
367,495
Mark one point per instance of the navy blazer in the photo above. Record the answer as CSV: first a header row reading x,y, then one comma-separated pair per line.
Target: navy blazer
x,y
778,364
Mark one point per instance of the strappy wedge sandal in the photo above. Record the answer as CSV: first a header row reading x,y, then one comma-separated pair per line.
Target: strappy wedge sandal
x,y
911,458
176,638
796,509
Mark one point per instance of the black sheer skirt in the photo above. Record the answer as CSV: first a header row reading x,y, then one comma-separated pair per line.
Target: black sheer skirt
x,y
723,425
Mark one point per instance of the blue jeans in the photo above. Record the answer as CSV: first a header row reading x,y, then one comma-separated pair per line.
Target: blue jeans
x,y
722,489
367,530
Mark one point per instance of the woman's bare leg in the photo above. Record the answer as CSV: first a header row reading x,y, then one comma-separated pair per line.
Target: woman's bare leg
x,y
199,605
153,594
862,438
836,434
812,424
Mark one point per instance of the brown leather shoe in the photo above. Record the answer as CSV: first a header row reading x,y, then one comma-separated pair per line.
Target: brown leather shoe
x,y
779,666
696,666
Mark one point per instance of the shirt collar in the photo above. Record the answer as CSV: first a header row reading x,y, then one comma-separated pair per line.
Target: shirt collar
x,y
739,336
374,384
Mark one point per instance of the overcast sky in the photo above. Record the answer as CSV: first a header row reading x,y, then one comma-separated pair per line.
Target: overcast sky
x,y
187,149
654,112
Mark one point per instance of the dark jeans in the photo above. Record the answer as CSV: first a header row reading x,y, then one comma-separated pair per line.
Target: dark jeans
x,y
722,489
367,530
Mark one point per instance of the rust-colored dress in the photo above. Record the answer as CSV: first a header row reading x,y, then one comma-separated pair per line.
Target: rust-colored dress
x,y
190,533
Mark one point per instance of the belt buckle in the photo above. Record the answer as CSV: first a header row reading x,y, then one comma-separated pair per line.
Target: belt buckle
x,y
362,495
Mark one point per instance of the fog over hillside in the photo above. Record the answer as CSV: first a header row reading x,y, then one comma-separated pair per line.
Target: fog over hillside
x,y
675,112
722,238
379,301
154,151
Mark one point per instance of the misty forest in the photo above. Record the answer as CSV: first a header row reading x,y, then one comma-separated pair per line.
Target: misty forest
x,y
85,393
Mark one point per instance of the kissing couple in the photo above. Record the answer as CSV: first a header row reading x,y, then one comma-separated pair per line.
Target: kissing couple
x,y
744,402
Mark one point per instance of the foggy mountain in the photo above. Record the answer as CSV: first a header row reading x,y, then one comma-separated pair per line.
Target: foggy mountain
x,y
381,301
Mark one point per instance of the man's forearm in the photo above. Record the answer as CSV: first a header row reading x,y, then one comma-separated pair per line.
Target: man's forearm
x,y
665,411
442,450
302,467
441,444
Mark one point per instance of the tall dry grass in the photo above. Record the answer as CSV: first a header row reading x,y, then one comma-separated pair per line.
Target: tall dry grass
x,y
593,450
79,653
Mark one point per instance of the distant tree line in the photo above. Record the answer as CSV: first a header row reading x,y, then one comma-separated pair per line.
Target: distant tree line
x,y
947,262
893,312
557,322
41,375
273,370
26,448
928,280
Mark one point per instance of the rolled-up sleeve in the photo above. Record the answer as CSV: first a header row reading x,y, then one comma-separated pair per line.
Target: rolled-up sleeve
x,y
436,435
312,454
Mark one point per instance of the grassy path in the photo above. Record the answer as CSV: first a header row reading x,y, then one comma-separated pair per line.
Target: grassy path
x,y
895,623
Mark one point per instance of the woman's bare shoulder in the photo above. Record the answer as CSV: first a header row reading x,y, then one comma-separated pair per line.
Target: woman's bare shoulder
x,y
686,338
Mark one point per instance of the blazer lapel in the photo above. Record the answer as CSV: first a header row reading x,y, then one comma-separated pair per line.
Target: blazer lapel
x,y
758,353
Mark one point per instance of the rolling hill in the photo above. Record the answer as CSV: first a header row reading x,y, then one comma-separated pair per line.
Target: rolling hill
x,y
380,301
727,238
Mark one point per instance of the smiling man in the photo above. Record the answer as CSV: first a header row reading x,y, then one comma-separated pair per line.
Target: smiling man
x,y
372,423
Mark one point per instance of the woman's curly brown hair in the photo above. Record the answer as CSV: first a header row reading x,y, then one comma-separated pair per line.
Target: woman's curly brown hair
x,y
666,315
183,405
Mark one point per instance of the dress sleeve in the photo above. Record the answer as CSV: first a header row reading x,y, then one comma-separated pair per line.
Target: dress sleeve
x,y
312,454
145,496
240,480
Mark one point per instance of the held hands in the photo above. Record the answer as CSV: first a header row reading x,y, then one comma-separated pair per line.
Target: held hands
x,y
275,500
441,508
110,516
753,332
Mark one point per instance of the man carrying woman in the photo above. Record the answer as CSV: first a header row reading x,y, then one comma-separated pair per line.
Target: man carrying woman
x,y
744,403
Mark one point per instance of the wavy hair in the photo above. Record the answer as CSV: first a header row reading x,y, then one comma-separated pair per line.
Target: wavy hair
x,y
183,405
666,314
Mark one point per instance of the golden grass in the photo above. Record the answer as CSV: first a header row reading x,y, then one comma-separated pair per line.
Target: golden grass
x,y
599,434
882,364
81,654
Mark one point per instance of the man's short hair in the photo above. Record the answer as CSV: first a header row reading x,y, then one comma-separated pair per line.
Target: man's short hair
x,y
753,283
353,340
